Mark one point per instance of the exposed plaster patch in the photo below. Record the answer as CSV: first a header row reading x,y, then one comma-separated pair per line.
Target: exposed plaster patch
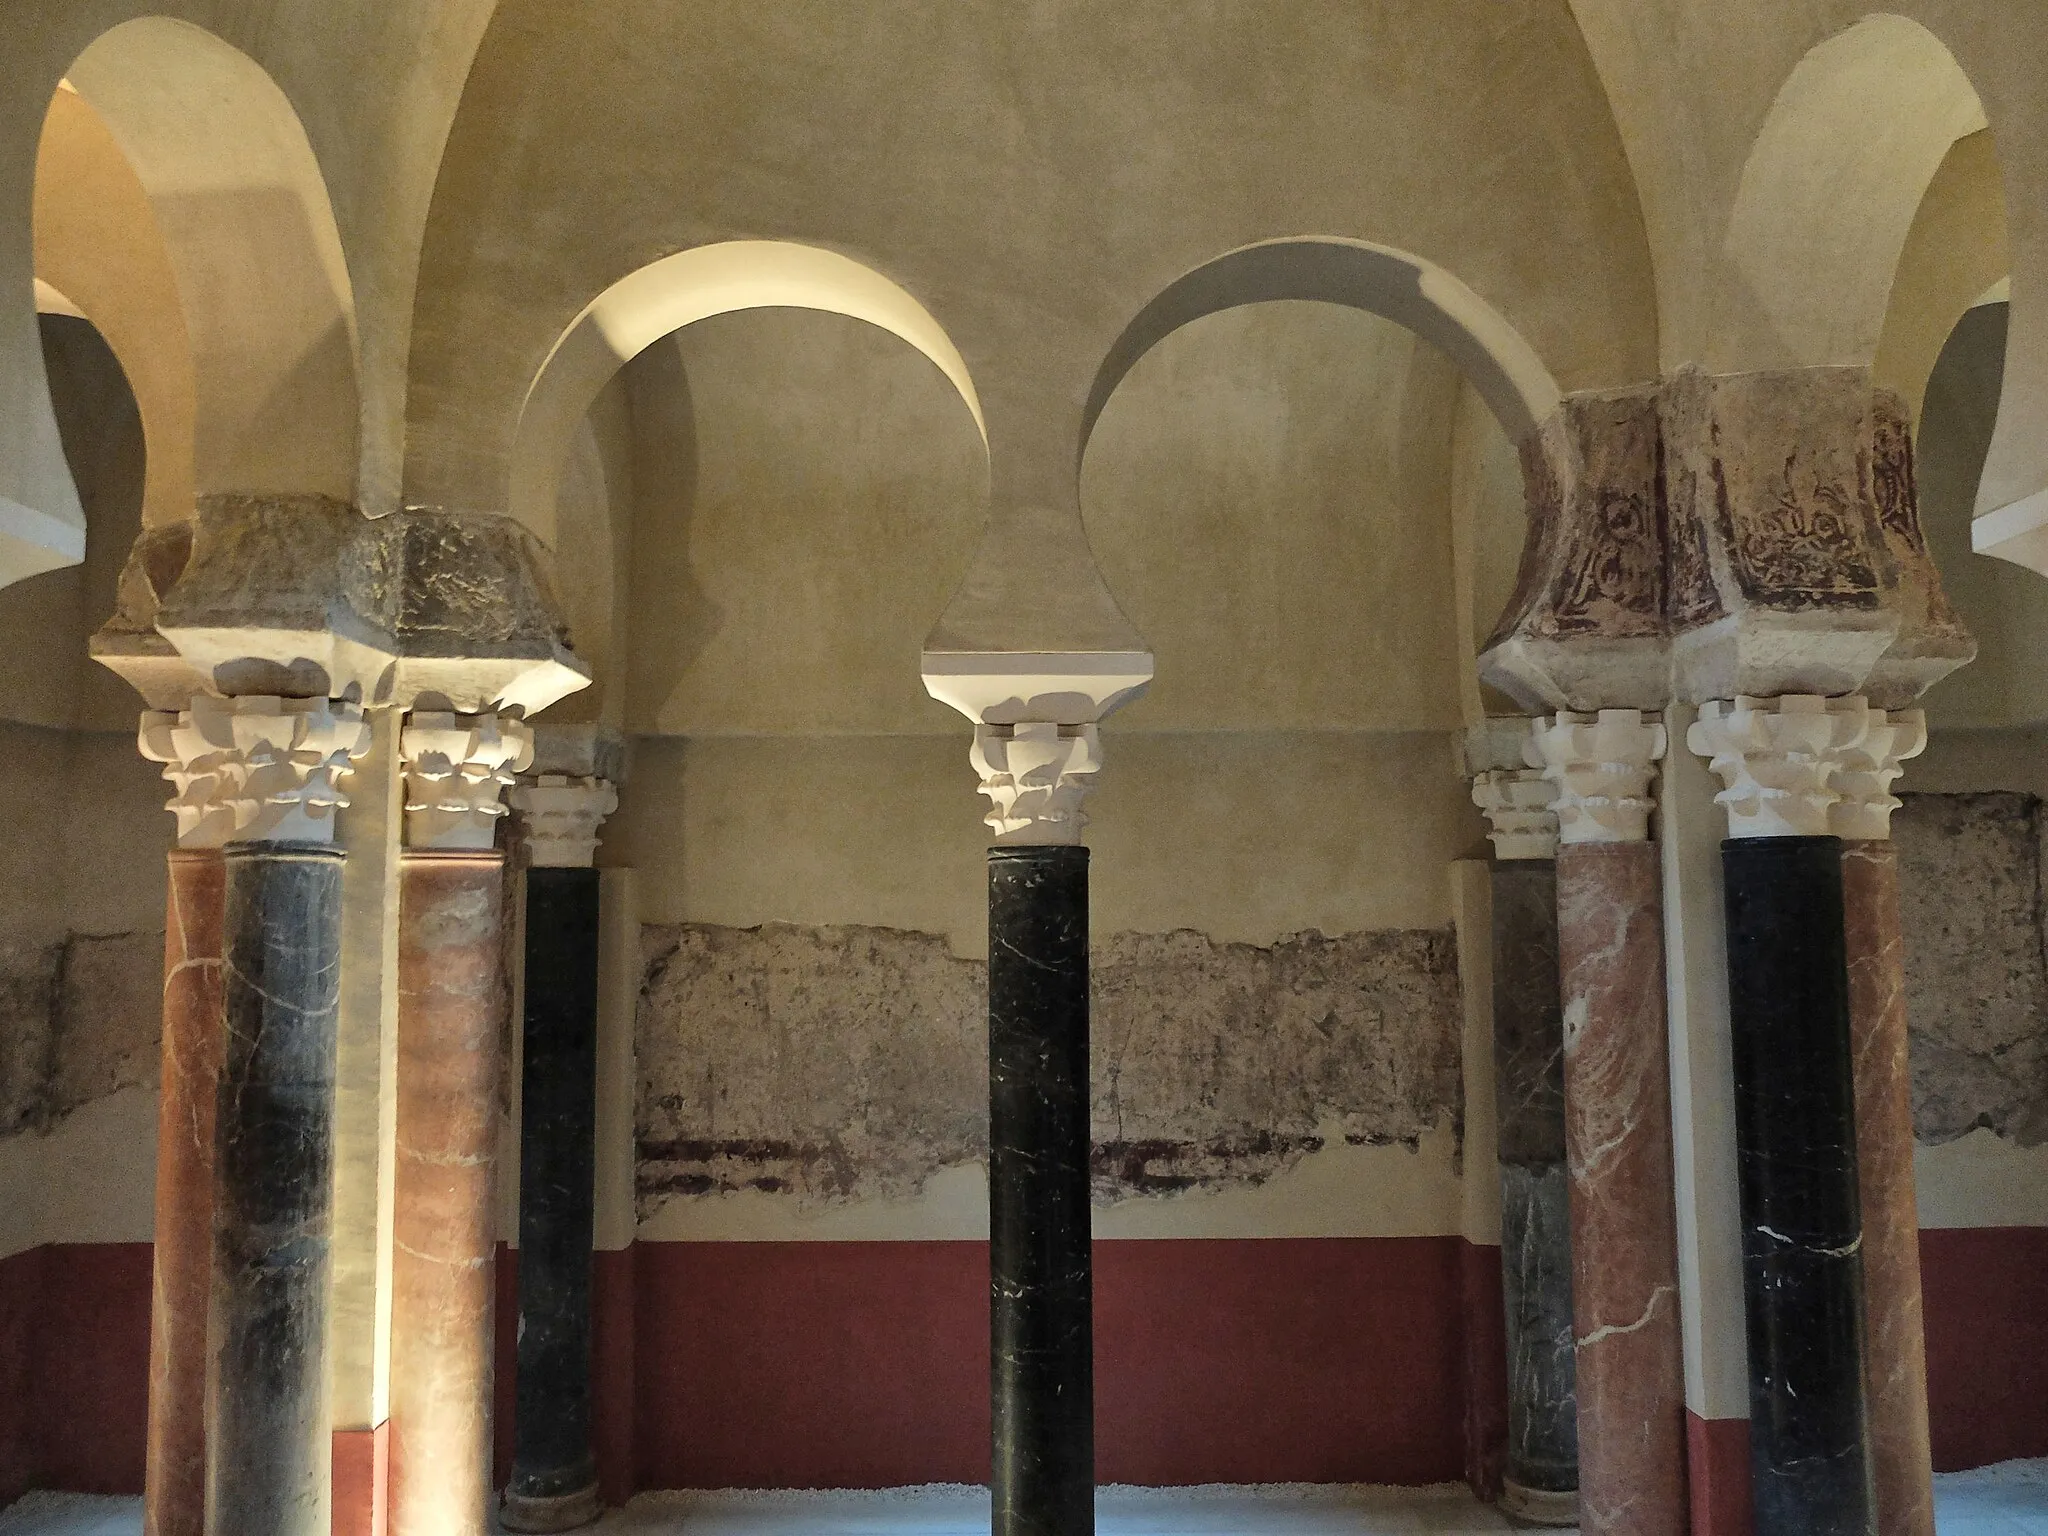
x,y
841,1064
1976,981
80,1020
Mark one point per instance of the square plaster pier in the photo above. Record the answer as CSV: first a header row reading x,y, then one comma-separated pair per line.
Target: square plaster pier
x,y
2006,1500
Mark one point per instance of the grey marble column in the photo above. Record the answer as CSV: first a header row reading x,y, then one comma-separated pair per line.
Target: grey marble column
x,y
266,1380
1542,1475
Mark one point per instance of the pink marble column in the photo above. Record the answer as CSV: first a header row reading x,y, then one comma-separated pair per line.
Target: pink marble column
x,y
1617,1094
1895,1371
174,1482
1896,1374
450,1012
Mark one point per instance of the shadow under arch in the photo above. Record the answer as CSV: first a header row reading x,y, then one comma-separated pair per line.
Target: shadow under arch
x,y
249,230
1411,292
676,291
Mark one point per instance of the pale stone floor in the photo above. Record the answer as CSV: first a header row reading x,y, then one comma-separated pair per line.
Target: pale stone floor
x,y
2006,1500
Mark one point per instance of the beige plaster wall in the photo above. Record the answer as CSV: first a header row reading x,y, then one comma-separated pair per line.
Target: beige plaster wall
x,y
1062,166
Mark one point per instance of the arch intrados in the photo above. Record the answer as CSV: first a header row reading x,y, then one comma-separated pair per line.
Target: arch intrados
x,y
676,291
1829,193
1416,294
243,208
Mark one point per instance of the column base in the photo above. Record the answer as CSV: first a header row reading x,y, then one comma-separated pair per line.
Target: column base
x,y
558,1512
1538,1506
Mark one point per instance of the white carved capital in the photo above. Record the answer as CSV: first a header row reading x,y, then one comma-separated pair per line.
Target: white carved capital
x,y
1035,775
1778,759
560,815
1601,767
456,767
256,768
1869,767
1035,743
1517,806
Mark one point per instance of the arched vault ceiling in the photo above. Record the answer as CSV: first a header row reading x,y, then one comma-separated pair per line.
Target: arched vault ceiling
x,y
375,86
1693,86
1034,174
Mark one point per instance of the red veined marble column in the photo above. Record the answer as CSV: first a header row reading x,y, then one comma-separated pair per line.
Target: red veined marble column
x,y
1895,1373
174,1485
451,1010
1617,1089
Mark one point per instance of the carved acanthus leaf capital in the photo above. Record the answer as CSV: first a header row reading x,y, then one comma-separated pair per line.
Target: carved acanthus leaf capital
x,y
256,768
1868,768
456,768
1601,766
1035,775
560,814
1778,759
1516,802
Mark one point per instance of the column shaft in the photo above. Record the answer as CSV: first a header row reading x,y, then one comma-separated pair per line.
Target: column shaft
x,y
450,1001
554,1471
174,1485
1542,1474
267,1436
1041,1295
1896,1375
1796,1162
1617,1086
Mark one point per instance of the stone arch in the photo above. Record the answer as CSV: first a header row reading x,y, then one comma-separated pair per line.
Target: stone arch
x,y
258,310
1474,347
1829,193
250,232
1407,290
675,291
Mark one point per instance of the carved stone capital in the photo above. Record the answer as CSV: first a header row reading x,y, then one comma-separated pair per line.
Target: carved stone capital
x,y
1868,769
1585,628
1778,759
255,769
456,768
1517,806
1602,766
560,815
284,594
1035,775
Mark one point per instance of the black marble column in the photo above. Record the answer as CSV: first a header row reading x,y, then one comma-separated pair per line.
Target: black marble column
x,y
267,1442
1541,1478
1795,1136
1042,1369
554,1470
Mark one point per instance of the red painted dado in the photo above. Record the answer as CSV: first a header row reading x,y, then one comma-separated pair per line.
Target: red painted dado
x,y
1311,1360
362,1480
74,1367
1718,1477
865,1364
1986,1300
21,1285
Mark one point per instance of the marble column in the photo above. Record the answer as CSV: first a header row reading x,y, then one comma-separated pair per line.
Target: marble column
x,y
1041,1332
1036,751
1895,1375
1794,1094
554,1466
450,1011
266,1382
1617,1110
174,1479
1541,1479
